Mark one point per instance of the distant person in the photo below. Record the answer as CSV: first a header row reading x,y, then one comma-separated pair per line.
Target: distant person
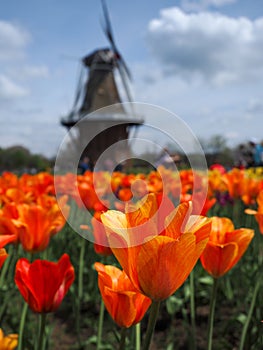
x,y
257,151
85,165
243,157
261,154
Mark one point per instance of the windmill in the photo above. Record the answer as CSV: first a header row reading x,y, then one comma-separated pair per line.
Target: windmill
x,y
99,90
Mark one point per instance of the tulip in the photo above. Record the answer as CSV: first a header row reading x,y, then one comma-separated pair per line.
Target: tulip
x,y
8,342
37,223
259,212
8,229
156,244
223,251
101,244
3,256
124,303
225,247
44,284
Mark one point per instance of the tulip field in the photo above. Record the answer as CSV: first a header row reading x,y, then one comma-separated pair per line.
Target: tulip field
x,y
161,260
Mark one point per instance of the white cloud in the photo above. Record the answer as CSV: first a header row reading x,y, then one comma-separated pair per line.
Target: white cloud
x,y
206,45
13,40
9,89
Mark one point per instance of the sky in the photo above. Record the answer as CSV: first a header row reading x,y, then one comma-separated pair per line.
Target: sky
x,y
199,59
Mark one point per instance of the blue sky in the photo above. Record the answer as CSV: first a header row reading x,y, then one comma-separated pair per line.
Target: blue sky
x,y
200,59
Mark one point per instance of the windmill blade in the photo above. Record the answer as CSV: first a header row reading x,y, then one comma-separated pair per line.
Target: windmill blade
x,y
108,29
121,65
124,81
109,34
125,67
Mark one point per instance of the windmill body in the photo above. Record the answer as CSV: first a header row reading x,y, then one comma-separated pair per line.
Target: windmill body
x,y
98,127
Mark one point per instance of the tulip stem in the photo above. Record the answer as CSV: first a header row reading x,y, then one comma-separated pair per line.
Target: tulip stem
x,y
192,306
250,312
4,270
138,336
123,338
212,314
80,285
151,324
100,326
22,326
41,336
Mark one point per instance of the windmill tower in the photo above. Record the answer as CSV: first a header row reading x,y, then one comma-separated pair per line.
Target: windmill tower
x,y
101,128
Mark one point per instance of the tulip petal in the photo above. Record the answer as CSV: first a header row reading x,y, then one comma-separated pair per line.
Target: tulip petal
x,y
125,305
242,238
219,228
218,259
177,219
43,284
164,264
115,223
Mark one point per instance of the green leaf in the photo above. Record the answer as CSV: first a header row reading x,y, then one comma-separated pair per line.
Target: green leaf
x,y
208,280
173,304
241,318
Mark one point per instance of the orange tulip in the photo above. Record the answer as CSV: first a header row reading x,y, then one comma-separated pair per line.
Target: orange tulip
x,y
8,342
225,247
125,194
3,256
156,244
125,305
37,223
198,206
101,244
259,213
8,229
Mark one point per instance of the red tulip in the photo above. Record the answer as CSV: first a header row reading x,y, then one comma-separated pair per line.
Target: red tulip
x,y
43,284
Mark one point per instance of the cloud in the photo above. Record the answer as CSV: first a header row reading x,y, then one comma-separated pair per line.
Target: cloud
x,y
208,46
13,40
197,5
9,89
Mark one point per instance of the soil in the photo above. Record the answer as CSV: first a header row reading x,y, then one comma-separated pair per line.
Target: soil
x,y
175,331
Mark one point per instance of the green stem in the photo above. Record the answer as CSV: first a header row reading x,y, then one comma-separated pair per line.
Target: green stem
x,y
81,268
151,324
80,285
45,254
138,336
212,314
4,270
3,307
41,336
123,338
192,307
100,326
237,209
22,326
250,312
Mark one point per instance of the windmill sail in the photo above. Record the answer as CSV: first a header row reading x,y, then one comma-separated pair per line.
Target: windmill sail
x,y
97,90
